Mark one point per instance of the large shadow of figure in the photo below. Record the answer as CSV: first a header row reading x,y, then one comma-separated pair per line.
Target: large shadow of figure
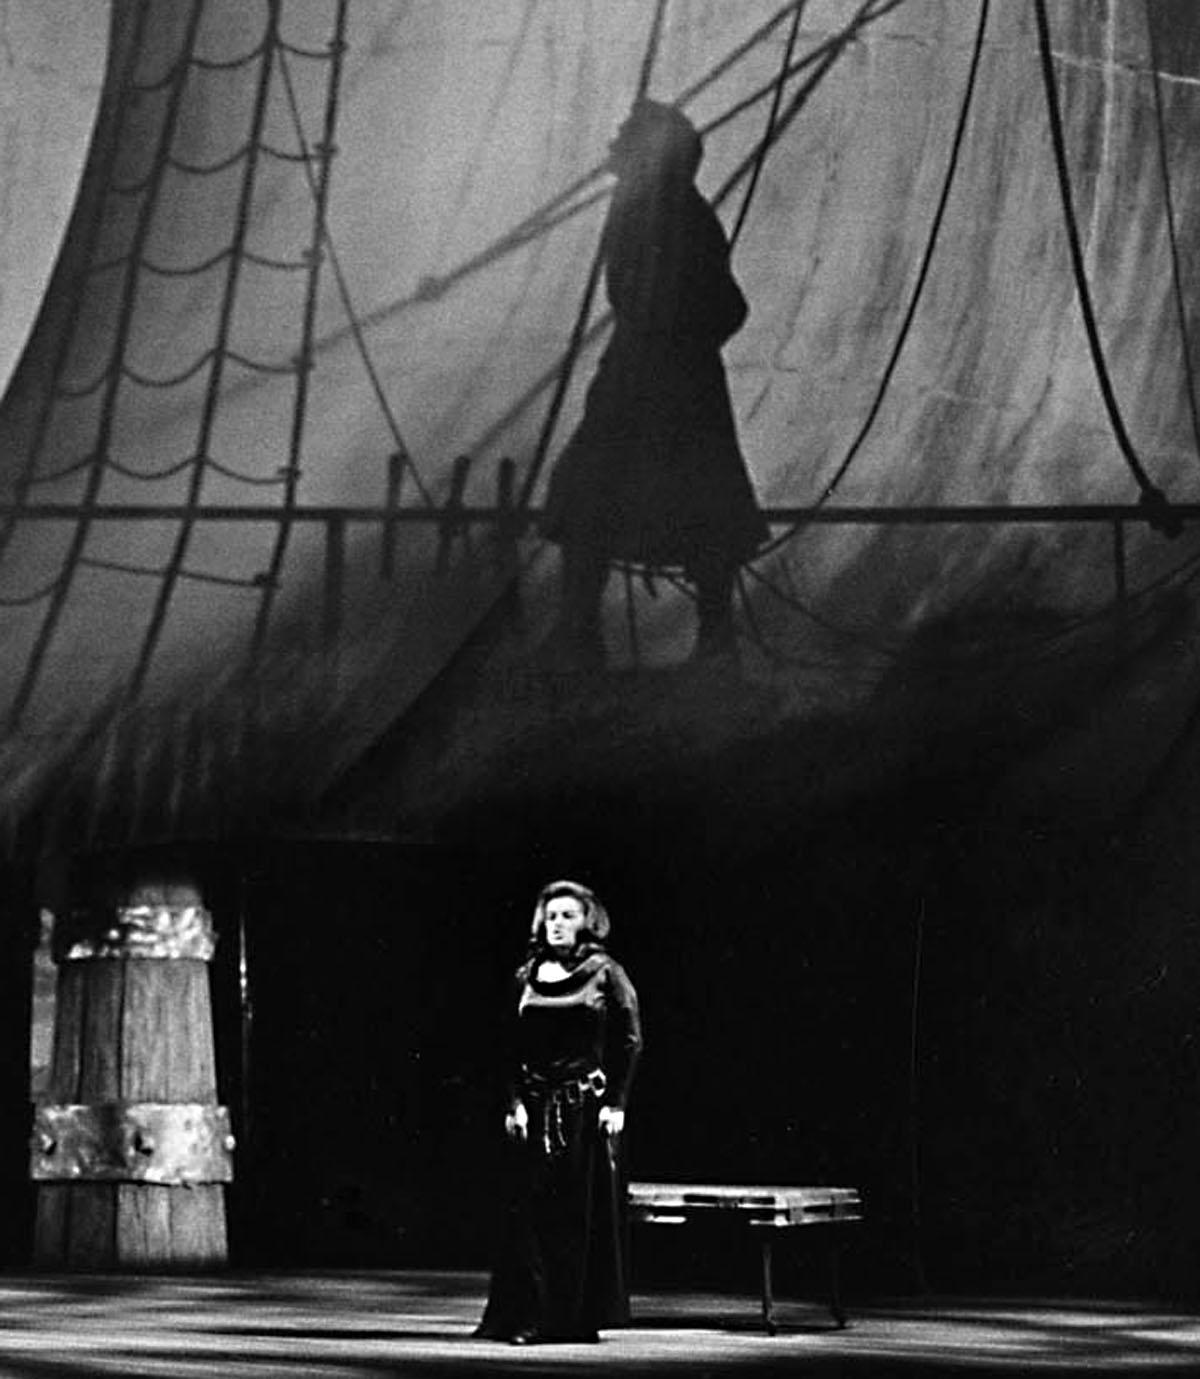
x,y
653,475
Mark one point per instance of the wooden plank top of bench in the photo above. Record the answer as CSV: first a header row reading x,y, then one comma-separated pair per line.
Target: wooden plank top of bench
x,y
758,1204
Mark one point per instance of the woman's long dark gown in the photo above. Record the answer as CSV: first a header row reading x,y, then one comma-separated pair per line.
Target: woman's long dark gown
x,y
560,1268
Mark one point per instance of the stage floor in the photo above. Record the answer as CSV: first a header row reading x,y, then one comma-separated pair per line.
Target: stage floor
x,y
379,1323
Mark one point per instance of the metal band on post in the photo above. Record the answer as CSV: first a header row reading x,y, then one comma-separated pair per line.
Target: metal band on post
x,y
170,1143
148,930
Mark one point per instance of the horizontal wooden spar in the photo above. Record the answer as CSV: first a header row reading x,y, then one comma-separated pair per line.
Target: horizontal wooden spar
x,y
950,514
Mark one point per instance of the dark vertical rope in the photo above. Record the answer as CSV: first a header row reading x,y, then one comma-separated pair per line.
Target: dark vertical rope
x,y
918,287
653,43
756,632
171,572
565,369
1151,496
304,363
1169,198
730,60
766,143
353,321
926,260
868,12
54,612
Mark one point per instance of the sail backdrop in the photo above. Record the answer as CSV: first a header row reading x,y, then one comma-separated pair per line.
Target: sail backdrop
x,y
321,251
53,68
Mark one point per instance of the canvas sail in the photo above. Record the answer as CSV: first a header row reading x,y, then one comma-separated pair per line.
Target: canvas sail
x,y
322,252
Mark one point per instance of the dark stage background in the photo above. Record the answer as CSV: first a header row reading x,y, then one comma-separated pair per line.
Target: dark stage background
x,y
993,1040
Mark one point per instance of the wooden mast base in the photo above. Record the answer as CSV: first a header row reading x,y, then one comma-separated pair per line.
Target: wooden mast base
x,y
130,1151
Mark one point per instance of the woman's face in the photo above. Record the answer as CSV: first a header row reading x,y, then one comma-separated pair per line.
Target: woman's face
x,y
565,917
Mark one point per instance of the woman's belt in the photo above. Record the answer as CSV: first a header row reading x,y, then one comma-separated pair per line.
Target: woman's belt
x,y
556,1091
571,1084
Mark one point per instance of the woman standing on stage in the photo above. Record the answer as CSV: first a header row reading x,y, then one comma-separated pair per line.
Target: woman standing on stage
x,y
576,1036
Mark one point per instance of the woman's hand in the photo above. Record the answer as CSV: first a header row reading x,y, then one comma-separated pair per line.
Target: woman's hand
x,y
516,1122
612,1121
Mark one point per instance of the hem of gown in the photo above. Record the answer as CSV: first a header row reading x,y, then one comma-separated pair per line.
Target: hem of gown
x,y
529,1336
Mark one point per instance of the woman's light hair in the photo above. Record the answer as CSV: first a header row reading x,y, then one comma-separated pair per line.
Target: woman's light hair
x,y
595,916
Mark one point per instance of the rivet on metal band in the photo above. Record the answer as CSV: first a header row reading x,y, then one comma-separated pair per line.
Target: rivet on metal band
x,y
138,931
173,1144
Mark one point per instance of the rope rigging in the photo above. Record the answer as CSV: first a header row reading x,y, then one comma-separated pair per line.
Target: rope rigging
x,y
1152,498
191,270
271,575
95,475
753,165
97,461
343,287
778,119
34,596
253,147
823,58
1029,649
562,207
918,286
221,354
768,138
579,336
157,572
163,270
650,56
156,475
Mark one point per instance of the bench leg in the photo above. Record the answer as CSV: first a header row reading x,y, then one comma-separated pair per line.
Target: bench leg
x,y
768,1297
835,1286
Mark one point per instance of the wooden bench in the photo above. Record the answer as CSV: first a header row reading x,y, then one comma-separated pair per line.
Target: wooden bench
x,y
763,1210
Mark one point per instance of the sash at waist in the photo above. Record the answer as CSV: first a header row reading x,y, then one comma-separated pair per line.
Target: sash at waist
x,y
572,1083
